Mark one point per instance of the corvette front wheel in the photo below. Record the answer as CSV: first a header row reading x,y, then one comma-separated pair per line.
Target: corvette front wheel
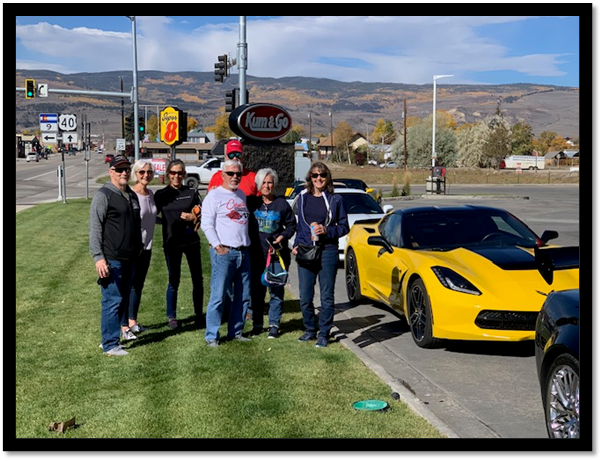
x,y
352,278
420,316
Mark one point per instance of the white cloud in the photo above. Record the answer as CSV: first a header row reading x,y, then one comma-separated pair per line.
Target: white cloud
x,y
396,49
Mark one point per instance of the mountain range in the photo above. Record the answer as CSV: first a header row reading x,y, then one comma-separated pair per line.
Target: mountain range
x,y
361,105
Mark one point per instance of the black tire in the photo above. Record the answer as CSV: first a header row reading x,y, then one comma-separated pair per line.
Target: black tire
x,y
420,316
192,182
560,396
352,278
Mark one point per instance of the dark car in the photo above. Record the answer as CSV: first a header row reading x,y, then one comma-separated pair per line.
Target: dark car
x,y
359,184
557,360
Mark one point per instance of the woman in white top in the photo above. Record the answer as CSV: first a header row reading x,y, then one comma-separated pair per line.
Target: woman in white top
x,y
143,173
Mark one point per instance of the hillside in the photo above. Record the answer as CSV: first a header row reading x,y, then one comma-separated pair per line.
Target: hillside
x,y
545,108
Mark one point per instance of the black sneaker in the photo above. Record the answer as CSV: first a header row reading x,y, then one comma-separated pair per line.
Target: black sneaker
x,y
257,331
273,333
307,336
322,342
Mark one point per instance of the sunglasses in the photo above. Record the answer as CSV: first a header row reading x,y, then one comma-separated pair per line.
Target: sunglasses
x,y
233,173
179,173
233,155
321,175
121,170
143,172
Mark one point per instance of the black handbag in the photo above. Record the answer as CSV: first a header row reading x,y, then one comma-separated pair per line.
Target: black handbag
x,y
309,254
274,275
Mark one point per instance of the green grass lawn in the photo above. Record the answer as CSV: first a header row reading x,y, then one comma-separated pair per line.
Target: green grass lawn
x,y
170,385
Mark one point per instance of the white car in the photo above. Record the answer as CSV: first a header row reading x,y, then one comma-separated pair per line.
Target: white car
x,y
359,205
32,157
202,174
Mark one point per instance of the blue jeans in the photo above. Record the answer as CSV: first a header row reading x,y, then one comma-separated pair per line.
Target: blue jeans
x,y
140,271
326,274
231,270
173,257
115,291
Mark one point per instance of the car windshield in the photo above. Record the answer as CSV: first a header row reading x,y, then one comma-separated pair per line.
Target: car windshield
x,y
352,183
360,204
452,229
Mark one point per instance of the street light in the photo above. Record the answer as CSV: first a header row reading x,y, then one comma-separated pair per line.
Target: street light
x,y
435,77
309,115
135,91
331,141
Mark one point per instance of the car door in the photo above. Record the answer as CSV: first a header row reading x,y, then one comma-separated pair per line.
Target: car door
x,y
387,269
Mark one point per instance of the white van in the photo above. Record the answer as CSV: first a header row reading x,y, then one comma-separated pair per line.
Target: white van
x,y
523,162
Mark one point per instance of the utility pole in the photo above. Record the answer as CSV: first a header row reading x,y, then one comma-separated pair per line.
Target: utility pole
x,y
405,150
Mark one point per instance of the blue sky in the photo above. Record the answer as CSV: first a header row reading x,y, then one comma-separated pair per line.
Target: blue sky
x,y
396,49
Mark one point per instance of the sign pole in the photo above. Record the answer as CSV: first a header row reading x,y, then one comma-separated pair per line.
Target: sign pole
x,y
63,176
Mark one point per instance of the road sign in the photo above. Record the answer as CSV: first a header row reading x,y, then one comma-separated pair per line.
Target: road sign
x,y
67,122
43,90
170,130
49,138
120,144
69,138
49,122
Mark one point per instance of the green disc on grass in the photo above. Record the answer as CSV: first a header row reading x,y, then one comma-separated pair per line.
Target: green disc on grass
x,y
371,405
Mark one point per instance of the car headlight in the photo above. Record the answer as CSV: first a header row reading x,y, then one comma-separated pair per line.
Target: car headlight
x,y
454,281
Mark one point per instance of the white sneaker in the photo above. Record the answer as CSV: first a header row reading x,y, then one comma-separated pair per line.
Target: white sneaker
x,y
117,350
127,335
137,329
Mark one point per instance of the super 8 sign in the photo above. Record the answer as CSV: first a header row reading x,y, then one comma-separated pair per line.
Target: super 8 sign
x,y
170,128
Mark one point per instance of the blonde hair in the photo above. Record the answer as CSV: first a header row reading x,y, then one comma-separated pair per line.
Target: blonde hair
x,y
140,164
261,174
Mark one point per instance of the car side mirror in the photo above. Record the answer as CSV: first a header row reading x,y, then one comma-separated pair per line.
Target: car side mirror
x,y
388,208
377,240
548,235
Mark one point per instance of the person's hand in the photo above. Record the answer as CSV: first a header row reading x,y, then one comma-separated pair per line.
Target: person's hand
x,y
102,268
294,251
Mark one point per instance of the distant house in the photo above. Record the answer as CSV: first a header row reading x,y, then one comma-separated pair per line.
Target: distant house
x,y
326,146
562,157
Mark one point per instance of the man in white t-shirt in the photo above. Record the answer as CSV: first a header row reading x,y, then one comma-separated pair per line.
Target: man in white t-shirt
x,y
224,220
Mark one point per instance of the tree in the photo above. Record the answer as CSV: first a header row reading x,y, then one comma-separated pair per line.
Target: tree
x,y
420,140
343,135
548,141
222,128
384,132
521,139
471,142
152,127
497,146
294,135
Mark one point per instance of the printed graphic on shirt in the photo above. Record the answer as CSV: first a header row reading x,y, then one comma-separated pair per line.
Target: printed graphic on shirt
x,y
238,212
268,221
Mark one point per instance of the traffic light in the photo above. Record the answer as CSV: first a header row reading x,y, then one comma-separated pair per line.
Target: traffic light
x,y
30,88
129,124
141,126
231,101
182,126
221,68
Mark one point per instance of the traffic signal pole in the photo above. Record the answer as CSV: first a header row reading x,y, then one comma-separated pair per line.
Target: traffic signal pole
x,y
242,60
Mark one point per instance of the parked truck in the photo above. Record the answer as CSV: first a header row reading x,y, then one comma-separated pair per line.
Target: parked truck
x,y
523,162
201,174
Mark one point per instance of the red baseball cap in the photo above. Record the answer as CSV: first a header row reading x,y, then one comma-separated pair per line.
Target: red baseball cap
x,y
233,146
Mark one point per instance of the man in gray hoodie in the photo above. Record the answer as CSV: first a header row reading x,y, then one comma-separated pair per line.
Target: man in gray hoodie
x,y
115,243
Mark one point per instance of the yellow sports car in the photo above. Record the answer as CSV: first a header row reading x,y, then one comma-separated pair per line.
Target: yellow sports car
x,y
464,272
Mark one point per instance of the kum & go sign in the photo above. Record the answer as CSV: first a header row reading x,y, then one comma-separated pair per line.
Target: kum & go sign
x,y
261,122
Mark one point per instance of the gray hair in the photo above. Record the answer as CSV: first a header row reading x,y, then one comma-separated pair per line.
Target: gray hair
x,y
140,164
261,174
233,163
